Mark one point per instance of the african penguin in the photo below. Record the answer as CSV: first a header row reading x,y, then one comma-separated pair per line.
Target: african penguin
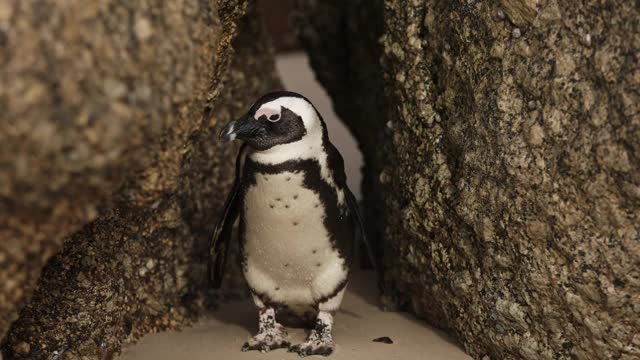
x,y
298,219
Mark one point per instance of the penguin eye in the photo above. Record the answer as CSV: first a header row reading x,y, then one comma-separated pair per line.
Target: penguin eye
x,y
274,117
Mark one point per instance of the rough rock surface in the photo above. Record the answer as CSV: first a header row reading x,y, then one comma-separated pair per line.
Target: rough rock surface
x,y
110,115
502,142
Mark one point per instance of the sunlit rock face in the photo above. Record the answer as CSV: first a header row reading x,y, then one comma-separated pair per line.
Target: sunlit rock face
x,y
502,179
111,173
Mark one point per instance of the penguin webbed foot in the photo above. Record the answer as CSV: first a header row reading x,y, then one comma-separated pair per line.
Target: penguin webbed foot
x,y
267,341
271,335
317,346
320,341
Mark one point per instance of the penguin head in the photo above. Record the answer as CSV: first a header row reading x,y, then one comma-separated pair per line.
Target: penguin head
x,y
277,118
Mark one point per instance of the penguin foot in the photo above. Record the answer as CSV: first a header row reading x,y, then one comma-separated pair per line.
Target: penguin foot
x,y
316,346
271,335
320,341
267,341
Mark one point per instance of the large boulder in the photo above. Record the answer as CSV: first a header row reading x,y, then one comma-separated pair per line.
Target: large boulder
x,y
502,149
109,159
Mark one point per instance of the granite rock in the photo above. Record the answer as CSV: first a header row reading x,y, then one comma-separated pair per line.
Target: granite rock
x,y
109,159
502,150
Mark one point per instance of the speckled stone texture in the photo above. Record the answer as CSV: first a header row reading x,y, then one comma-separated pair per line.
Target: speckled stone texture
x,y
110,116
502,141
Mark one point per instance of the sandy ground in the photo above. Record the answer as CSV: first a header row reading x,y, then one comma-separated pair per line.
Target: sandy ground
x,y
221,334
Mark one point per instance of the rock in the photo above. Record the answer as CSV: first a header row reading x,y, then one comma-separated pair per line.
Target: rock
x,y
521,12
22,348
509,225
109,159
516,33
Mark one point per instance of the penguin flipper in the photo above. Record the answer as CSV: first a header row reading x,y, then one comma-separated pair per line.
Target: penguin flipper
x,y
336,163
221,238
355,210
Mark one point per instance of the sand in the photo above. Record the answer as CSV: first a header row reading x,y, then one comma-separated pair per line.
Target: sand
x,y
221,334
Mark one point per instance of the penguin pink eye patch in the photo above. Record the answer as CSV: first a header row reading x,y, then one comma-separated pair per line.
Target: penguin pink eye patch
x,y
271,114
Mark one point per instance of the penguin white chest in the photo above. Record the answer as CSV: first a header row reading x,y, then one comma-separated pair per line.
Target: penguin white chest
x,y
288,250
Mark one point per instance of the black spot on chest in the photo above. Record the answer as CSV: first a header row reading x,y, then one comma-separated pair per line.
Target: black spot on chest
x,y
337,218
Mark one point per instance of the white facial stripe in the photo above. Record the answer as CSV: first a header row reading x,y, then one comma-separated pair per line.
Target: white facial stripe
x,y
309,147
299,106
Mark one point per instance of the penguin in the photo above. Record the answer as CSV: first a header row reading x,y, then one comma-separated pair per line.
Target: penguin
x,y
298,220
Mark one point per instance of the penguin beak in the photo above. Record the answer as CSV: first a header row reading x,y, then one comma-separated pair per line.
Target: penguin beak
x,y
244,128
228,133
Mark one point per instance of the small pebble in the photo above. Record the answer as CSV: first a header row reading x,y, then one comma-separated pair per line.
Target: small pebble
x,y
143,28
384,339
516,33
22,348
